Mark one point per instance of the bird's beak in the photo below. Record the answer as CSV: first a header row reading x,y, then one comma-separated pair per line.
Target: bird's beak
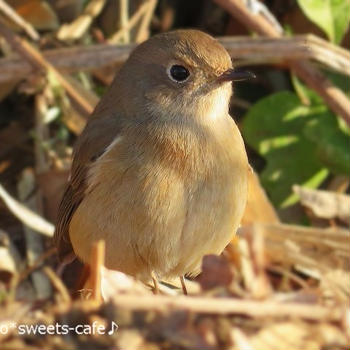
x,y
234,75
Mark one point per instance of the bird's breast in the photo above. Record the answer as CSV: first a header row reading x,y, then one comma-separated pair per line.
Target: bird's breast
x,y
162,203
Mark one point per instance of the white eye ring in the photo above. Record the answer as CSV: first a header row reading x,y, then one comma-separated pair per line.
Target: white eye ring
x,y
178,73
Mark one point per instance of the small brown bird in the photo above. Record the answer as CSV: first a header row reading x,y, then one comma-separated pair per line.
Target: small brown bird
x,y
160,171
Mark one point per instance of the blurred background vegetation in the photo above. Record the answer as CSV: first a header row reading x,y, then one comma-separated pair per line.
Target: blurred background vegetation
x,y
58,57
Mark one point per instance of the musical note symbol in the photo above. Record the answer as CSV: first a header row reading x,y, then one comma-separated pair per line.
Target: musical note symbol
x,y
114,327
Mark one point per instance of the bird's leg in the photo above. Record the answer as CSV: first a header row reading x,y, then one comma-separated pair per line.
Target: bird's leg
x,y
183,285
155,283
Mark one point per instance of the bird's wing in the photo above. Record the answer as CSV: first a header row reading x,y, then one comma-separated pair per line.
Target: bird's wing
x,y
96,137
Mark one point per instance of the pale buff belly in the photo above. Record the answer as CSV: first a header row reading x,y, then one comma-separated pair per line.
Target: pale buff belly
x,y
156,223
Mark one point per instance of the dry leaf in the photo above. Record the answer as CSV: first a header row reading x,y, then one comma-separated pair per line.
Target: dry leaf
x,y
216,272
114,282
324,204
287,335
37,12
7,259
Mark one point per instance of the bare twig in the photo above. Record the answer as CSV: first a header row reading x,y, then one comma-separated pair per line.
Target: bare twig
x,y
58,284
28,217
80,25
38,61
254,22
229,306
9,12
332,96
37,264
130,24
17,279
244,50
143,32
326,237
262,50
286,273
315,252
124,16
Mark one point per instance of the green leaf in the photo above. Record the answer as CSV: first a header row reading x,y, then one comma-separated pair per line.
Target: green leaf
x,y
332,145
332,16
273,127
329,134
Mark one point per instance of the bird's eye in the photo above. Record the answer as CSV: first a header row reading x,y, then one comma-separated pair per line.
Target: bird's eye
x,y
178,73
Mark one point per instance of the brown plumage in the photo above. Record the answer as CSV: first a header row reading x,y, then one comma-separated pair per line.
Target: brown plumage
x,y
160,171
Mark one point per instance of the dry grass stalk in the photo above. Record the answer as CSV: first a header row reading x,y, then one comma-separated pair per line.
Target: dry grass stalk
x,y
38,61
58,284
80,25
10,13
143,31
25,273
25,215
333,96
135,18
320,254
124,17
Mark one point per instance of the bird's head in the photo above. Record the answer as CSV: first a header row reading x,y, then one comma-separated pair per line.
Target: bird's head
x,y
180,74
